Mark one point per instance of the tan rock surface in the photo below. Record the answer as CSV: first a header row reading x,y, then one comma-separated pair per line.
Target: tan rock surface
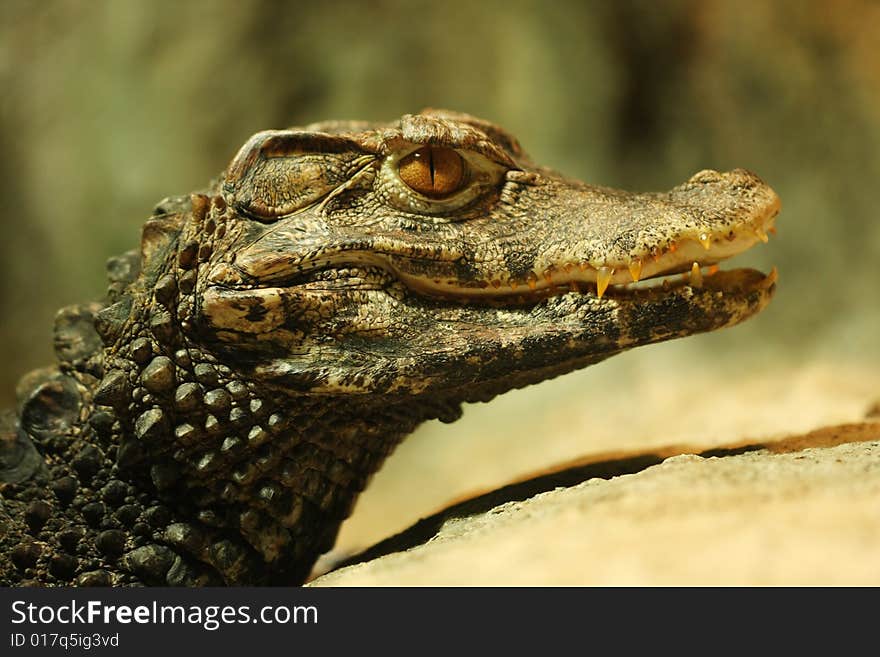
x,y
804,511
654,404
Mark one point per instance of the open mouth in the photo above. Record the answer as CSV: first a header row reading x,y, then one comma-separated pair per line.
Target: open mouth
x,y
689,261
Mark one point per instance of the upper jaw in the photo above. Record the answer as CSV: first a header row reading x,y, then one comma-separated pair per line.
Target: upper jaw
x,y
611,238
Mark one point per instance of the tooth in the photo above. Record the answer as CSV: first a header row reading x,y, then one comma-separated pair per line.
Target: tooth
x,y
713,269
532,280
696,277
584,265
772,230
603,278
635,270
496,283
574,287
548,276
706,241
513,283
772,276
762,235
567,268
672,247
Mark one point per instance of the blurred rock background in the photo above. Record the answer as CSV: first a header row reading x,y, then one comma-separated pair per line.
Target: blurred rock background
x,y
108,106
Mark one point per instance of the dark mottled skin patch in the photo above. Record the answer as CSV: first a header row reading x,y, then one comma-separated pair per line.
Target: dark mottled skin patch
x,y
519,263
465,270
256,313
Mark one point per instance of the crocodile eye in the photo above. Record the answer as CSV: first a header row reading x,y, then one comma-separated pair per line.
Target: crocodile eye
x,y
433,171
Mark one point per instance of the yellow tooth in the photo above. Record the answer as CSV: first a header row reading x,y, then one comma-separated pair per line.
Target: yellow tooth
x,y
496,283
762,235
532,280
696,277
772,230
583,265
773,275
548,276
573,286
603,278
706,241
635,270
567,268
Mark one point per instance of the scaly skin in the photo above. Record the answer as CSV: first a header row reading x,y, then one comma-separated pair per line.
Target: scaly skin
x,y
276,337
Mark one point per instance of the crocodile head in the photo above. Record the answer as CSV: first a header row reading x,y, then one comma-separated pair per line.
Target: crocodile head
x,y
431,257
275,339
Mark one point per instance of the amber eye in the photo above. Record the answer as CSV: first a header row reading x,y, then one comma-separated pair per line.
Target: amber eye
x,y
433,171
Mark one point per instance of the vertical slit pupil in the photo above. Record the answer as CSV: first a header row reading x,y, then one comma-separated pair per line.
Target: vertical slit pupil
x,y
432,170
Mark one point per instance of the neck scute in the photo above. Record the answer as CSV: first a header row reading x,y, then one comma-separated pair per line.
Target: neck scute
x,y
259,486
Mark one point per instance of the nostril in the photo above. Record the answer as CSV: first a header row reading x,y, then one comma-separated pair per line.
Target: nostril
x,y
706,176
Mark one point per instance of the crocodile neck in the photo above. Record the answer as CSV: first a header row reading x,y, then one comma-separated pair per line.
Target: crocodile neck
x,y
162,465
256,480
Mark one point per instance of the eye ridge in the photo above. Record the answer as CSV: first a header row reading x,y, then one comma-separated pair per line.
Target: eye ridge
x,y
433,171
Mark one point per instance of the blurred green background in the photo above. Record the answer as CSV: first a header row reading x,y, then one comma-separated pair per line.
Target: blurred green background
x,y
109,106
